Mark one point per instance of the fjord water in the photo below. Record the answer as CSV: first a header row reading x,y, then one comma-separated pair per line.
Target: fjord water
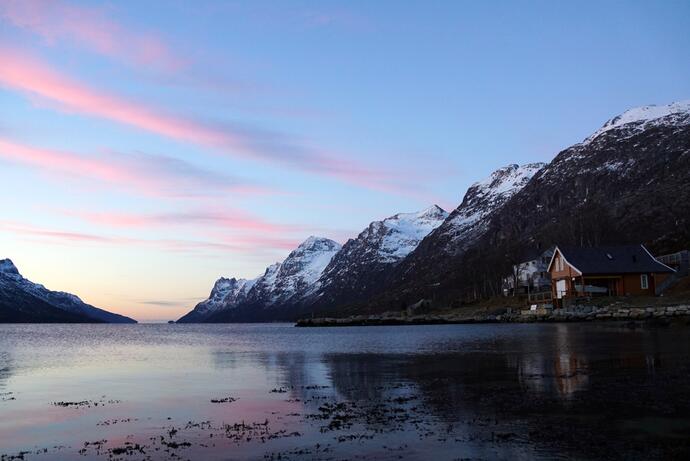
x,y
415,392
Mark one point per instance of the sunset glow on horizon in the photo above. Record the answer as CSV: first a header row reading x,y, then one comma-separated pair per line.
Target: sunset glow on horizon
x,y
149,148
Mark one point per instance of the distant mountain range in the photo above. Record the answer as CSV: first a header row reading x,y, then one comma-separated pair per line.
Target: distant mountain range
x,y
22,301
319,271
629,182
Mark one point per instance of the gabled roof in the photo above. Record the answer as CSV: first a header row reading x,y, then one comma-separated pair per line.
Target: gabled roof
x,y
624,259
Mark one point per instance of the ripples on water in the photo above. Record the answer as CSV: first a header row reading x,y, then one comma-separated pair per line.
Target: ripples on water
x,y
422,392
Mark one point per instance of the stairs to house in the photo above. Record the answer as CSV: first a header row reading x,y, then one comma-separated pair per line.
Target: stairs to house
x,y
681,263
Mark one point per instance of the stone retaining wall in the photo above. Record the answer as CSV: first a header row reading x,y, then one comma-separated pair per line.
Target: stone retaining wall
x,y
579,314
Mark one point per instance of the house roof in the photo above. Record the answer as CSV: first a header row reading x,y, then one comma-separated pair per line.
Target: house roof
x,y
624,259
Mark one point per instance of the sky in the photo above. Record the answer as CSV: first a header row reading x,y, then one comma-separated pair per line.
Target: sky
x,y
148,148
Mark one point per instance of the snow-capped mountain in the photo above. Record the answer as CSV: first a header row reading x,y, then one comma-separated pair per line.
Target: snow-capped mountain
x,y
23,299
284,283
298,276
363,262
469,219
226,294
642,118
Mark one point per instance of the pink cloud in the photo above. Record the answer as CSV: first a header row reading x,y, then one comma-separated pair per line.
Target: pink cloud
x,y
248,243
234,220
23,73
153,175
91,28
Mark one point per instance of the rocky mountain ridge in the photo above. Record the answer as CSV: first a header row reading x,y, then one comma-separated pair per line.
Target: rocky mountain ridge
x,y
282,283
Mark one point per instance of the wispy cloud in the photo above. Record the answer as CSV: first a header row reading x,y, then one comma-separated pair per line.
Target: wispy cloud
x,y
31,76
183,302
233,220
154,175
68,237
92,28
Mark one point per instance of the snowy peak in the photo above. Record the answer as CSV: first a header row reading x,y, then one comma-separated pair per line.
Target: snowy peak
x,y
363,262
395,237
226,294
299,272
308,259
224,287
484,197
316,244
504,181
8,267
641,118
431,214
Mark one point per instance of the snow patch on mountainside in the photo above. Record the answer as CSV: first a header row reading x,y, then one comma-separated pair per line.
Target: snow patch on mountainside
x,y
401,233
642,118
485,196
381,244
303,267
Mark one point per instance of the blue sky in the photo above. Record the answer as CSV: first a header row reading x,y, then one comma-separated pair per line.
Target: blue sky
x,y
149,147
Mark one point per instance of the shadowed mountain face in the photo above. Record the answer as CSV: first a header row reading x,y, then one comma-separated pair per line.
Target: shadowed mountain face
x,y
22,301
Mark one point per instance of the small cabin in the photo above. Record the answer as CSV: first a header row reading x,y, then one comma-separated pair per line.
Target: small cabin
x,y
628,270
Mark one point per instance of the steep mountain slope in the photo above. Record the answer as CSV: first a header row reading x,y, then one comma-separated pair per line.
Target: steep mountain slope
x,y
362,265
470,219
299,275
226,294
24,301
627,183
282,285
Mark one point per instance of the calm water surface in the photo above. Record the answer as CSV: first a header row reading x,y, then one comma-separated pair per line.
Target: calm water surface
x,y
422,392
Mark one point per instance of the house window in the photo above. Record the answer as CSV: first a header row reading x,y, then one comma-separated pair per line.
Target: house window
x,y
644,281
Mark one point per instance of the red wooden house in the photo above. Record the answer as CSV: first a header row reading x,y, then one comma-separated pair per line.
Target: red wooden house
x,y
604,271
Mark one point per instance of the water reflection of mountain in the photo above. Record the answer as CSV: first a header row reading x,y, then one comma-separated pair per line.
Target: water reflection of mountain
x,y
551,386
284,369
563,387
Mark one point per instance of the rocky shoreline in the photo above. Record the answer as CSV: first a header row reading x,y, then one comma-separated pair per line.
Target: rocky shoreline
x,y
579,314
